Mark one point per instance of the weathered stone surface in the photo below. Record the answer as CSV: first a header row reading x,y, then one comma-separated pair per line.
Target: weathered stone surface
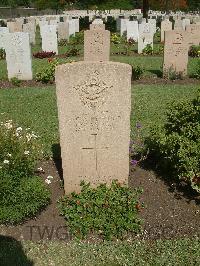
x,y
166,25
94,104
178,25
144,28
132,30
14,26
72,27
143,40
18,55
30,28
49,38
96,45
175,53
193,34
97,26
152,25
3,31
97,21
63,31
123,26
76,21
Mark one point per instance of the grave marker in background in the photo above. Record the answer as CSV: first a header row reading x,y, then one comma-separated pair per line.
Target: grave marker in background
x,y
18,56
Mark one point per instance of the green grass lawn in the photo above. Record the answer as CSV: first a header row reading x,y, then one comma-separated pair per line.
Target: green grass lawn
x,y
36,108
153,253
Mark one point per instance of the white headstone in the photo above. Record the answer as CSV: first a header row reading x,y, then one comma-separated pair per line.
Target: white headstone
x,y
30,28
49,38
18,55
63,31
3,31
143,40
123,26
132,30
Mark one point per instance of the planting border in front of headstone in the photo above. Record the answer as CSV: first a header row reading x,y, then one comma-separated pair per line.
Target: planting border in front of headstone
x,y
108,211
22,194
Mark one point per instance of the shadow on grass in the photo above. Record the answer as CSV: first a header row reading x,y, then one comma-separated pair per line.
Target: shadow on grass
x,y
12,253
56,150
179,188
157,72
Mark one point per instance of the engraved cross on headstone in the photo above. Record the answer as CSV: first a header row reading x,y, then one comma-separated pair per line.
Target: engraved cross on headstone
x,y
95,148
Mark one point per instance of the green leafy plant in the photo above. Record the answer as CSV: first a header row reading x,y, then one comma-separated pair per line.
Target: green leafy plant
x,y
21,193
137,149
176,145
16,82
148,50
63,42
194,51
47,74
116,38
77,39
129,45
197,73
2,54
110,212
172,74
137,72
73,52
157,37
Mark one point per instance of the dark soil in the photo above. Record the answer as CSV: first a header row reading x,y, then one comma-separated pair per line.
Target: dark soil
x,y
6,84
171,210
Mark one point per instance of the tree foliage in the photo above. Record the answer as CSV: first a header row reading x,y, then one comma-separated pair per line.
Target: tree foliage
x,y
106,4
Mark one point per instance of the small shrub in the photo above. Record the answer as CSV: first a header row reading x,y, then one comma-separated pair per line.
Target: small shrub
x,y
77,39
116,38
173,74
110,212
84,23
111,24
129,45
63,42
2,54
3,23
157,36
194,51
44,54
16,82
197,73
73,52
148,50
137,150
137,72
47,74
21,193
176,145
159,50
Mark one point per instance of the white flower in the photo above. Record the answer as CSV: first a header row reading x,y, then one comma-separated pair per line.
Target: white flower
x,y
28,136
33,135
49,177
40,169
48,181
8,125
9,155
6,161
19,129
27,152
